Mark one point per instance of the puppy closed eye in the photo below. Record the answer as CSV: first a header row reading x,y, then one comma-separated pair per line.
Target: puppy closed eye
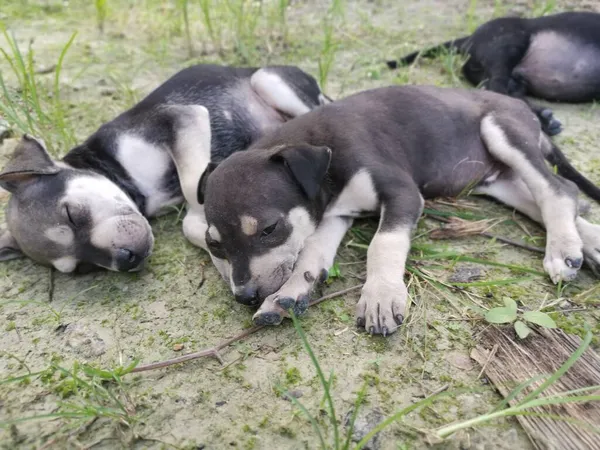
x,y
70,216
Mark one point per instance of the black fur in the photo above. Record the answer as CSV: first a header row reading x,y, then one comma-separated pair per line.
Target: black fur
x,y
220,89
504,58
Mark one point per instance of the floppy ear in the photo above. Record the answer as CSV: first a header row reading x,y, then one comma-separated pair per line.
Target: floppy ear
x,y
203,179
308,165
29,160
9,249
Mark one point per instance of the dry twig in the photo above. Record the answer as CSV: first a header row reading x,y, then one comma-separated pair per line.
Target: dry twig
x,y
214,351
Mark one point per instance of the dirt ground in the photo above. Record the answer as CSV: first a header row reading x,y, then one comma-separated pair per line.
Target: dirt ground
x,y
179,304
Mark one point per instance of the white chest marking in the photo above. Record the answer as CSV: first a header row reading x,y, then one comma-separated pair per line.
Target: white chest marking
x,y
357,197
147,165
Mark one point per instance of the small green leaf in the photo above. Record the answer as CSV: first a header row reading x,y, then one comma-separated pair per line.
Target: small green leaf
x,y
539,318
500,315
511,305
522,329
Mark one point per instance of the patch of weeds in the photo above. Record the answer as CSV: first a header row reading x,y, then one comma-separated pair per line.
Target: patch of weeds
x,y
322,431
34,108
92,393
292,376
101,13
452,64
10,326
509,314
287,432
333,18
543,7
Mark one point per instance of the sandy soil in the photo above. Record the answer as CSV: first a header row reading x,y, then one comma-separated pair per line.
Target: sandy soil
x,y
179,303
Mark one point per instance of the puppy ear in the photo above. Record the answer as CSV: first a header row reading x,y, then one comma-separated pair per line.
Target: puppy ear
x,y
29,160
9,249
308,165
204,179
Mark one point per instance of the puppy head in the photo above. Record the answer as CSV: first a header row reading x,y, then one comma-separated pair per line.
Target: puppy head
x,y
261,205
67,217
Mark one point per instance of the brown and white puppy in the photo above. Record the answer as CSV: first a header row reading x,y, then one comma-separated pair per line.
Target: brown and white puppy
x,y
90,208
276,214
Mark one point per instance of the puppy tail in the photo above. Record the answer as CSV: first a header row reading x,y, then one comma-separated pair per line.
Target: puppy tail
x,y
456,44
564,168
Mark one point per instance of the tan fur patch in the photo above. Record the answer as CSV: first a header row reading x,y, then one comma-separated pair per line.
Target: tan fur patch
x,y
249,225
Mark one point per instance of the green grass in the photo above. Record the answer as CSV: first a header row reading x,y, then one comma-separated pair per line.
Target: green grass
x,y
34,107
523,406
86,392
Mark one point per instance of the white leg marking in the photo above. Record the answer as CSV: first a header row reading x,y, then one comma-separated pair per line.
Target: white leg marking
x,y
516,194
563,244
317,255
195,226
277,94
192,148
382,303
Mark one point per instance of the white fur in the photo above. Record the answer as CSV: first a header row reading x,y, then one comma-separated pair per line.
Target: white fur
x,y
276,93
99,194
359,195
191,154
195,226
514,192
61,235
384,294
214,233
318,254
274,267
116,221
147,165
557,211
65,264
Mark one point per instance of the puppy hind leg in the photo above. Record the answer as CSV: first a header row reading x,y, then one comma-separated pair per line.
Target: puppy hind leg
x,y
555,197
287,89
513,191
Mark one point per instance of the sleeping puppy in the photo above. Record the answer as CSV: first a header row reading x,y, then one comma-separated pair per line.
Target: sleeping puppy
x,y
556,58
90,209
276,214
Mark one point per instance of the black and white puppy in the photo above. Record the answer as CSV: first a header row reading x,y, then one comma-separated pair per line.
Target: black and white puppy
x,y
90,208
555,57
276,214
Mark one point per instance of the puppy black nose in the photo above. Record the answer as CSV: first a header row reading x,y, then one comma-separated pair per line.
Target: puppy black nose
x,y
127,260
246,295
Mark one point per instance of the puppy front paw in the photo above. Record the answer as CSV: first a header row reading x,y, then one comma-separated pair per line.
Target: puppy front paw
x,y
381,307
269,313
